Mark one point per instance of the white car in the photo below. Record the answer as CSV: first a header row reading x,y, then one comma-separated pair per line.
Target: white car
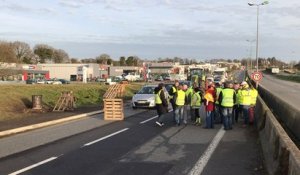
x,y
145,97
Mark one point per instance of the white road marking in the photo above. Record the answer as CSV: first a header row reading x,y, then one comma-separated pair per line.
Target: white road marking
x,y
201,163
145,121
105,137
33,166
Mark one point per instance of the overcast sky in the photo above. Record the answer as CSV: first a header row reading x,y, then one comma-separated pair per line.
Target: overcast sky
x,y
201,29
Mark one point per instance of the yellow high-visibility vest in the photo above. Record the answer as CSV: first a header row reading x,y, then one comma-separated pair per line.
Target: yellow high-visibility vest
x,y
157,98
218,93
174,90
196,100
245,97
227,95
254,95
180,98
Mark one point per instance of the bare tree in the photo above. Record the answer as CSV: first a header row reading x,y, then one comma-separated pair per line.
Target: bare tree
x,y
103,59
22,51
7,53
60,56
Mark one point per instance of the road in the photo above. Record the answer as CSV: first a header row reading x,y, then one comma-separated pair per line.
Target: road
x,y
138,146
286,90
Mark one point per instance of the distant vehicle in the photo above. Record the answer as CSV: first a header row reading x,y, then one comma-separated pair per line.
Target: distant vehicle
x,y
220,73
53,81
217,79
132,77
145,97
31,81
166,78
195,75
115,80
273,70
159,78
63,81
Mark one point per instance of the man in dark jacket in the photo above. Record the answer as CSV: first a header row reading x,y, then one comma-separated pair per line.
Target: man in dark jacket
x,y
161,104
172,96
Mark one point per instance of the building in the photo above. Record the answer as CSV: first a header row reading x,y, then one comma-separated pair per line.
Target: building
x,y
120,70
71,72
160,68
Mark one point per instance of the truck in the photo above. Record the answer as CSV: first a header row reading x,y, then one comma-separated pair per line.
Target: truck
x,y
273,70
220,74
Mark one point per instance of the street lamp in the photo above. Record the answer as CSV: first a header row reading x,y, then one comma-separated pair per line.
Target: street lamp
x,y
251,44
257,5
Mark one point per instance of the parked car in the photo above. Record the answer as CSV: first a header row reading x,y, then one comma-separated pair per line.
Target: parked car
x,y
145,97
31,81
63,81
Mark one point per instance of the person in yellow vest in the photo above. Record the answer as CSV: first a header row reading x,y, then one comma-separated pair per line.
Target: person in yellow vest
x,y
161,104
196,104
180,100
187,105
218,111
172,97
227,99
254,94
245,101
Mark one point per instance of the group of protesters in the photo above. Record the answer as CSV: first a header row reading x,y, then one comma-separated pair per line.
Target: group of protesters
x,y
223,103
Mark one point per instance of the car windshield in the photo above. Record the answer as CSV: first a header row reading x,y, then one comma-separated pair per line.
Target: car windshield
x,y
146,90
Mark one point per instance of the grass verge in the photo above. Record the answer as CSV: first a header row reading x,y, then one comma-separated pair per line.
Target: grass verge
x,y
294,78
15,100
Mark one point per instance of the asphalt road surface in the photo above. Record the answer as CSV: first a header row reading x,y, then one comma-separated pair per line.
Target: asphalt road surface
x,y
286,90
138,146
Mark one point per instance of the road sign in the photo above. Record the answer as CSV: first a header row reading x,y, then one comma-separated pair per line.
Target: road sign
x,y
256,76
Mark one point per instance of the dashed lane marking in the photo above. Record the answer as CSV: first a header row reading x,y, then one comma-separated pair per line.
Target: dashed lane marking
x,y
105,137
145,121
33,166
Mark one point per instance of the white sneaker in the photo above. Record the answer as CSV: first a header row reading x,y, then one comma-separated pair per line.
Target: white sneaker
x,y
159,124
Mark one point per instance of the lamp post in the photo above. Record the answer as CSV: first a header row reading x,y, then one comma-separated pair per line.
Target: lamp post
x,y
251,42
257,5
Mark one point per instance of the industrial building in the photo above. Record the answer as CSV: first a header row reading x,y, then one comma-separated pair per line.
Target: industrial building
x,y
71,72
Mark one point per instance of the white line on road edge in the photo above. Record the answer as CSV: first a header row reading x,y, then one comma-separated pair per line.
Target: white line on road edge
x,y
33,166
145,121
201,163
103,138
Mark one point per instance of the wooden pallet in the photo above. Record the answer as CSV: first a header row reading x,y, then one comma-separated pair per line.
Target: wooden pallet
x,y
114,91
65,102
113,109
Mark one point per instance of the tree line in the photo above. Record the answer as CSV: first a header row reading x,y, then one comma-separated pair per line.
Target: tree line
x,y
20,52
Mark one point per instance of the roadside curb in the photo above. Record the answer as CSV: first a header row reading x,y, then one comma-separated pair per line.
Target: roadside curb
x,y
45,124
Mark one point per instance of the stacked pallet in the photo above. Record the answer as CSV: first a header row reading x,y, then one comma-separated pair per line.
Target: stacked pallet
x,y
65,102
113,105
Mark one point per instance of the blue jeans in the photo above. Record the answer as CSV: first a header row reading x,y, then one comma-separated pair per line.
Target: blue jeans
x,y
209,120
218,114
179,114
227,114
245,109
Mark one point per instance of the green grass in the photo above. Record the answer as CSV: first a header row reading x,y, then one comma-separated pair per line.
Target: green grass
x,y
294,78
15,100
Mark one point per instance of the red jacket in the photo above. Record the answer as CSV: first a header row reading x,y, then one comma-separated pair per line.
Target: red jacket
x,y
211,105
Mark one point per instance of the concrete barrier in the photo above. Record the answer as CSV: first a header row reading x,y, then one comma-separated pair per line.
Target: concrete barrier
x,y
284,112
281,154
